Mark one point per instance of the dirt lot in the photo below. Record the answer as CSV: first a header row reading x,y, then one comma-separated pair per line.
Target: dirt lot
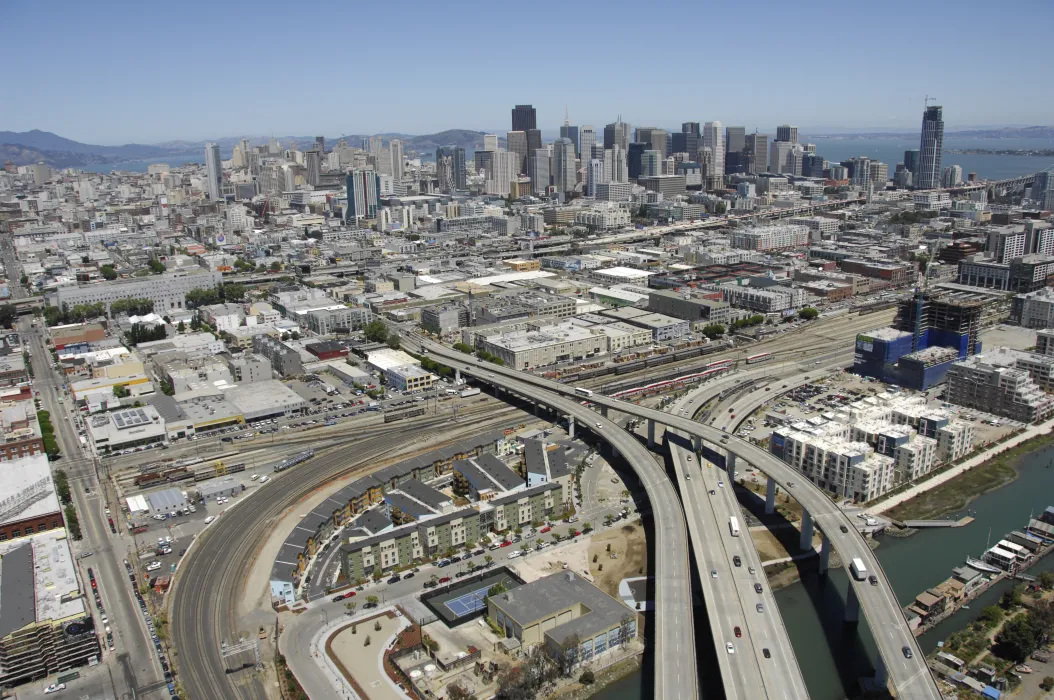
x,y
629,547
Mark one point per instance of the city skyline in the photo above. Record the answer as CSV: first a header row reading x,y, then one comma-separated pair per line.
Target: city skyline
x,y
152,94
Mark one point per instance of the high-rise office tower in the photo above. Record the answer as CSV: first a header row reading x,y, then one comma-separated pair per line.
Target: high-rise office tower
x,y
539,170
902,176
1043,189
534,140
237,158
587,139
498,166
952,176
376,144
880,174
214,169
787,132
490,142
691,128
458,178
320,144
594,176
778,153
396,148
735,139
517,143
758,145
911,162
564,173
633,157
313,166
569,131
653,138
617,134
812,165
929,175
714,139
363,187
524,117
651,163
615,164
739,162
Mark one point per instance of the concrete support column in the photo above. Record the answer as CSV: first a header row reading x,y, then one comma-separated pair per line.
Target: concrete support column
x,y
570,426
852,606
806,530
651,433
730,464
770,497
457,375
537,409
881,674
604,411
825,554
697,444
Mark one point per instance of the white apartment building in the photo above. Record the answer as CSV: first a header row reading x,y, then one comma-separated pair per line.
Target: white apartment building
x,y
603,218
546,345
168,291
771,237
831,461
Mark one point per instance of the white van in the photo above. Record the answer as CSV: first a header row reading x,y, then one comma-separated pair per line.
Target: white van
x,y
210,519
264,479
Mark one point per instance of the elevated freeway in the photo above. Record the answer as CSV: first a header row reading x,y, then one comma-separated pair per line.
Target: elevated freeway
x,y
909,676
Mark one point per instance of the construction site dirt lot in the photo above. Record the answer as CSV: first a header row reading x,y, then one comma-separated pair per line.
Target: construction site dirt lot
x,y
629,548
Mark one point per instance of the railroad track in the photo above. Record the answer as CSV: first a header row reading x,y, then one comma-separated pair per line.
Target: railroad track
x,y
204,601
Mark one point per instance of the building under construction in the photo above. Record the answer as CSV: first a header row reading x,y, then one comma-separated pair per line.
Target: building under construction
x,y
932,330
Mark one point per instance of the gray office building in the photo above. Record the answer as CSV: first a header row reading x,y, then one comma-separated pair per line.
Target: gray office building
x,y
617,134
517,142
758,146
735,138
524,117
214,168
787,132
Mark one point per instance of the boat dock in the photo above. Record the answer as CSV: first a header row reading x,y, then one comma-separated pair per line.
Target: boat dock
x,y
919,524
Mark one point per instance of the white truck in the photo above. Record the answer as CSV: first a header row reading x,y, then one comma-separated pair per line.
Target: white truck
x,y
858,569
733,526
465,393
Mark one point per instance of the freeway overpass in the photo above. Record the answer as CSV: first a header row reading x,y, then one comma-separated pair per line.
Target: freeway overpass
x,y
910,676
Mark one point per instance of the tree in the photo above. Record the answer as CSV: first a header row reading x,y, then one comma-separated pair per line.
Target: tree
x,y
108,272
376,332
72,524
1046,579
1019,637
393,341
62,487
276,266
120,391
1047,683
182,327
372,599
993,615
462,347
488,559
713,330
587,677
1011,597
808,313
233,291
156,266
350,607
455,691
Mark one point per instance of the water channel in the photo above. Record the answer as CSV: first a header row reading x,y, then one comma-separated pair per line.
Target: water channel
x,y
812,608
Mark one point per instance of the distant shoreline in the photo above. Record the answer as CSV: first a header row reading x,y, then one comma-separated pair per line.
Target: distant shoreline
x,y
1044,152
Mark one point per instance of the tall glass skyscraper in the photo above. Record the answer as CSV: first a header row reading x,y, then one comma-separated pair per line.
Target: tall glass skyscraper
x,y
214,170
524,117
929,175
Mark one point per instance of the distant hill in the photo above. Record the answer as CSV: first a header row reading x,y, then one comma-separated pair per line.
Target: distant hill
x,y
25,147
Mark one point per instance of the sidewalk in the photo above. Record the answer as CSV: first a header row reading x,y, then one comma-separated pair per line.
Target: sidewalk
x,y
933,482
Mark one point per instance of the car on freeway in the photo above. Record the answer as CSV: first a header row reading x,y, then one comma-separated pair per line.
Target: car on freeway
x,y
760,607
750,570
843,528
907,651
768,654
873,580
739,632
720,484
713,493
85,555
729,648
599,426
713,573
757,588
737,561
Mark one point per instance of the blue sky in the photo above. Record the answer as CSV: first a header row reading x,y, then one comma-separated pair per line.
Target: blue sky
x,y
117,71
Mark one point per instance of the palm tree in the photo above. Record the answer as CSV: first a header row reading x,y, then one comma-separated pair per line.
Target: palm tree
x,y
351,606
488,559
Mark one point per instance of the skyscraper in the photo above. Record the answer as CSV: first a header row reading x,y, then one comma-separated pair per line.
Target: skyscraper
x,y
714,139
524,117
911,162
691,128
534,140
617,134
313,166
758,144
650,163
929,175
490,142
633,158
539,170
615,164
587,139
952,176
787,132
569,131
320,144
363,186
778,153
517,143
376,144
396,148
564,173
594,176
1043,189
214,168
458,178
735,138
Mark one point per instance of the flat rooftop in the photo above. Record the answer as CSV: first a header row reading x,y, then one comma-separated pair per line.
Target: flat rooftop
x,y
29,475
37,581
